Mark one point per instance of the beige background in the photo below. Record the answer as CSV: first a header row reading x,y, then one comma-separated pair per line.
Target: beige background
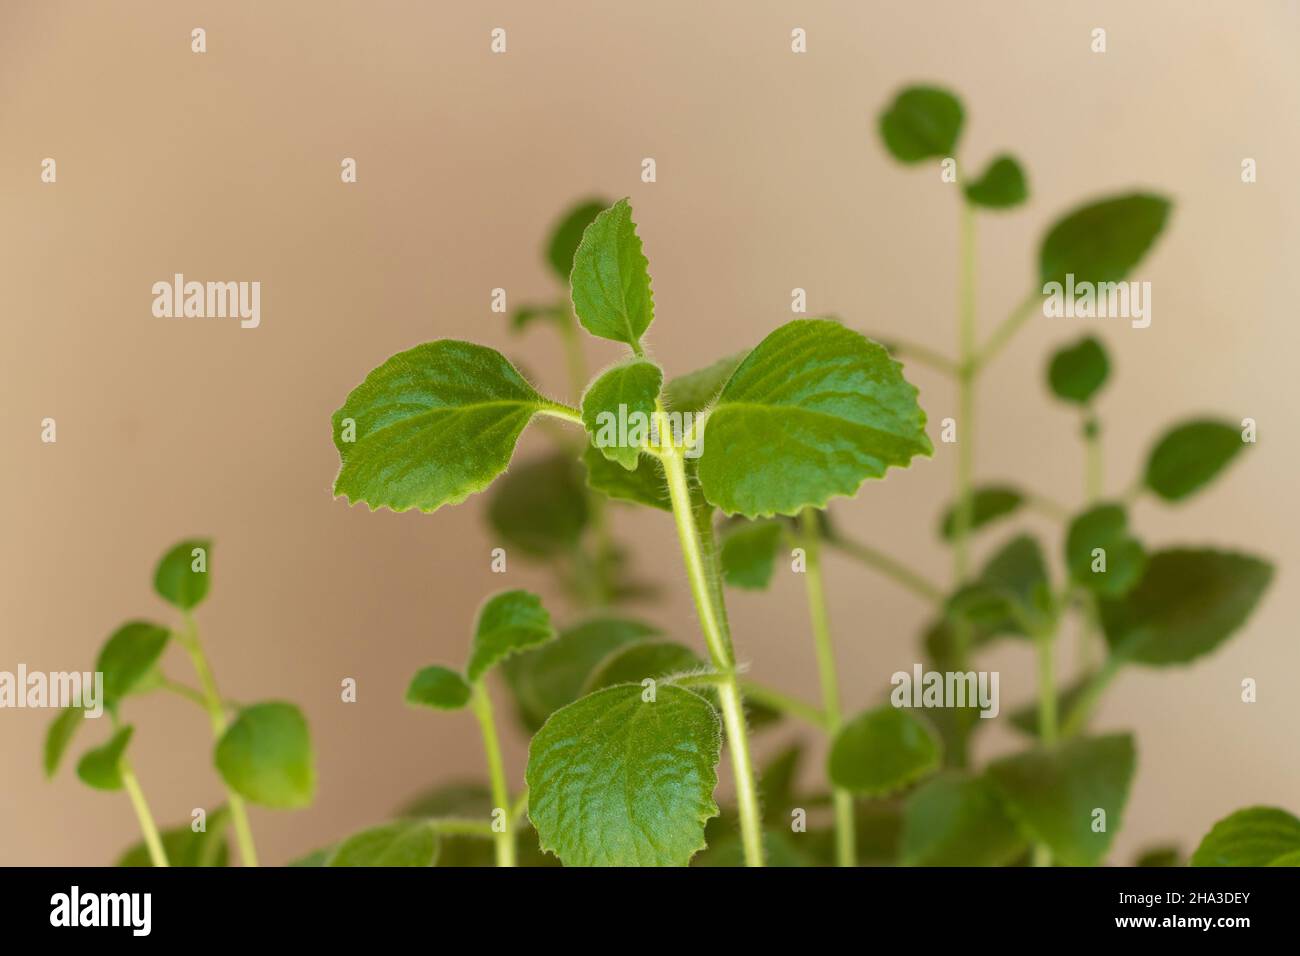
x,y
226,166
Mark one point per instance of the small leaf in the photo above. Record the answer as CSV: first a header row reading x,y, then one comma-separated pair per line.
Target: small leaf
x,y
177,579
540,506
617,781
636,662
456,799
881,751
1187,604
1106,527
955,819
922,123
813,411
1102,241
777,781
1077,371
526,315
185,847
509,622
695,391
1053,794
438,687
552,675
128,657
610,280
1255,836
403,843
1003,185
615,402
1190,456
1012,595
988,504
1163,855
101,768
567,235
59,736
749,554
266,756
645,485
433,425
315,858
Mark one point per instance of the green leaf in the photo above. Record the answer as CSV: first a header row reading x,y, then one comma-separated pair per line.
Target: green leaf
x,y
777,781
181,578
438,687
1077,371
101,768
881,751
59,736
1104,526
185,847
509,622
645,485
636,662
1025,718
1190,456
462,798
812,411
955,819
128,658
988,504
1161,855
610,280
433,425
526,315
1012,595
615,403
552,675
540,506
1053,794
315,858
403,843
1187,604
923,122
266,756
1102,241
1255,836
749,554
617,781
1003,185
567,235
695,391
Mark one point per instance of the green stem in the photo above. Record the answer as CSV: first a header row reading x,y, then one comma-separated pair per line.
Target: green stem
x,y
189,639
700,570
1093,479
780,701
912,580
922,354
845,837
505,839
1003,333
1046,718
1087,700
148,828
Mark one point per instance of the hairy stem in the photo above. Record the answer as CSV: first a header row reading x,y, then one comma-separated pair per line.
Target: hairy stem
x,y
505,838
891,568
845,836
188,637
152,840
708,607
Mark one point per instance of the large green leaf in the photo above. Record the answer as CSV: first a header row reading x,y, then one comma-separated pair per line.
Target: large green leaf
x,y
401,843
923,122
567,234
1255,836
540,506
988,504
955,819
186,847
266,756
181,578
438,687
1190,456
644,485
635,662
881,751
101,768
614,780
1187,604
617,409
129,657
1077,371
1054,793
610,280
433,425
59,735
1102,241
812,411
1001,186
1106,527
695,391
508,623
749,554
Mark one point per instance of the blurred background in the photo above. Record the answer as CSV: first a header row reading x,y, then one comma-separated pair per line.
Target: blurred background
x,y
225,166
